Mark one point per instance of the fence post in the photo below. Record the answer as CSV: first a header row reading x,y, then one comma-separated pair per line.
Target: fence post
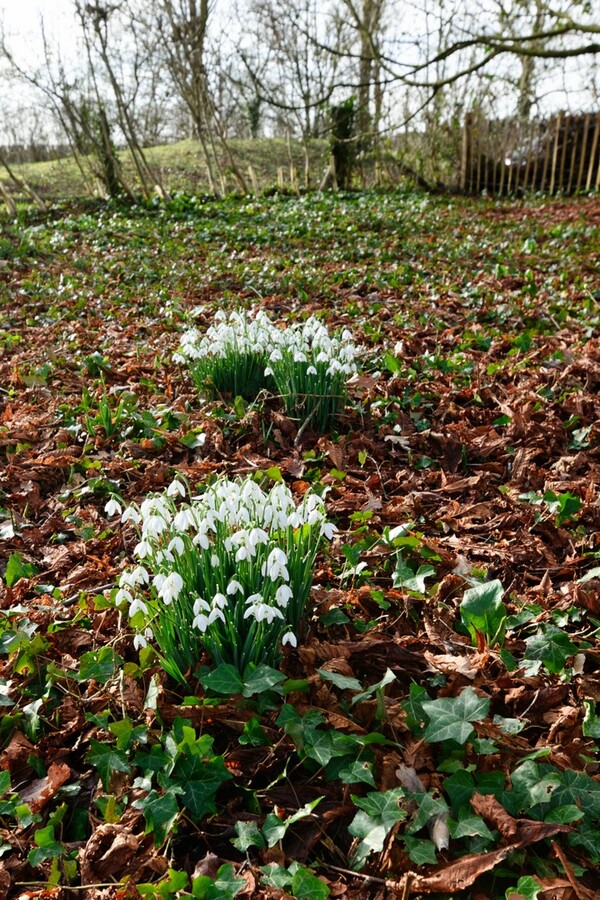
x,y
555,152
590,173
466,161
584,143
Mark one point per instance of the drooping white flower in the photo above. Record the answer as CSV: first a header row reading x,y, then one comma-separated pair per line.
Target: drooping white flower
x,y
176,545
234,587
199,605
283,595
131,515
289,638
122,595
137,606
328,529
171,588
176,488
139,575
200,622
216,614
113,507
220,601
142,549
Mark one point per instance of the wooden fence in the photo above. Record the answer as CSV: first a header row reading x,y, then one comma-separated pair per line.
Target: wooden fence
x,y
560,154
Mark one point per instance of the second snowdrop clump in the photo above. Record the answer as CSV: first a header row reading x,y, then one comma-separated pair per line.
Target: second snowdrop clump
x,y
303,363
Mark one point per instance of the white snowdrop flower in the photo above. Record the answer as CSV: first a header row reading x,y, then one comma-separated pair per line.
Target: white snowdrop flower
x,y
258,536
271,612
123,595
199,605
277,564
113,507
283,595
216,614
158,581
201,540
228,545
179,358
137,606
176,488
139,575
139,642
167,556
215,561
313,517
176,545
183,520
275,355
142,549
289,638
268,371
311,371
220,601
299,356
242,554
153,526
200,622
347,335
234,587
328,529
254,598
171,588
131,515
253,610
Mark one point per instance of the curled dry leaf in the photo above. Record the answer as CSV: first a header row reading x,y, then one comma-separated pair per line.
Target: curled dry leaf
x,y
111,852
40,791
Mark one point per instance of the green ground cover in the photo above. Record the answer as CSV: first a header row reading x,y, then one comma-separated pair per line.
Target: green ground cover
x,y
435,730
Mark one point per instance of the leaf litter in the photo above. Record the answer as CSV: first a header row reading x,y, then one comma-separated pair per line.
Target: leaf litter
x,y
474,426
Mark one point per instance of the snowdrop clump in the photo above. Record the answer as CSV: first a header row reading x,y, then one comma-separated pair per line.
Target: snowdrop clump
x,y
231,356
228,571
308,367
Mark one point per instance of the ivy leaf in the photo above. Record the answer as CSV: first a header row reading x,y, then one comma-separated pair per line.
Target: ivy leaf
x,y
341,681
99,665
421,852
224,887
17,568
451,717
552,646
160,812
378,813
248,835
427,808
258,679
225,679
107,760
379,686
357,771
306,886
469,825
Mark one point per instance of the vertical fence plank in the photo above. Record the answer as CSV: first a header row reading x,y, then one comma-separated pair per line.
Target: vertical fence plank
x,y
466,157
555,152
567,124
537,133
574,135
547,146
593,152
582,152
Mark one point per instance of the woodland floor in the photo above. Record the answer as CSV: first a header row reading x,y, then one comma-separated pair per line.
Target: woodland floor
x,y
475,421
